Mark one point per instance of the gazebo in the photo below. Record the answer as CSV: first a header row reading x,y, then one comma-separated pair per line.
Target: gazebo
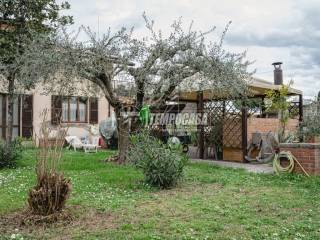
x,y
231,123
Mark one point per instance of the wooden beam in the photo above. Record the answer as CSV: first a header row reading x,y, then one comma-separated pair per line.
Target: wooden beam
x,y
263,107
244,116
300,108
200,109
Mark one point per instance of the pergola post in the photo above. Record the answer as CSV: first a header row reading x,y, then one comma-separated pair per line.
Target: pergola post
x,y
244,113
300,108
200,109
263,107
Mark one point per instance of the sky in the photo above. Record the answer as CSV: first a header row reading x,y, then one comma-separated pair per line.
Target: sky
x,y
270,31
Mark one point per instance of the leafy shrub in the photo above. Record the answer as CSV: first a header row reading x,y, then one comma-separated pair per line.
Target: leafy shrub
x,y
161,165
10,153
310,125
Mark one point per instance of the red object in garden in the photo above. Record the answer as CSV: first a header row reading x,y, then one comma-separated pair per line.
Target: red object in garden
x,y
102,143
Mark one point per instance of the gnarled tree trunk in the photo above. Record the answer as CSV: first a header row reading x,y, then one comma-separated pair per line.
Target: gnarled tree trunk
x,y
123,135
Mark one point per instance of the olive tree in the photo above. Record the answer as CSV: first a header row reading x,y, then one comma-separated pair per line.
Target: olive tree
x,y
152,67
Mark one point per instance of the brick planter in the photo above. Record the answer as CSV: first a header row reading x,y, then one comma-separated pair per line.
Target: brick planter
x,y
314,139
308,154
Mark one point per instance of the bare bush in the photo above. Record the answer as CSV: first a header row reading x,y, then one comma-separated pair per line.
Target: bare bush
x,y
52,189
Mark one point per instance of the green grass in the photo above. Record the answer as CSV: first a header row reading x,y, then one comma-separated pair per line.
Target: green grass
x,y
111,202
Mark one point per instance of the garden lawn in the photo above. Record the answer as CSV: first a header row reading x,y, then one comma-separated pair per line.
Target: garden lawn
x,y
109,201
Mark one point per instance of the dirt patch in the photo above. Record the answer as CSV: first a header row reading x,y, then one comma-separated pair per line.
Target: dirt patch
x,y
74,219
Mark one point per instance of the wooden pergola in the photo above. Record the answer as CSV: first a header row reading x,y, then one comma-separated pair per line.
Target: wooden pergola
x,y
258,89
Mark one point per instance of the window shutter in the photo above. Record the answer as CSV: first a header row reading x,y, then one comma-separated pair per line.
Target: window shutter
x,y
56,109
27,116
93,119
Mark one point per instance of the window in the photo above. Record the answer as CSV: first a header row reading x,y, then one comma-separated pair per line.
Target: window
x,y
4,116
82,109
22,116
74,109
16,118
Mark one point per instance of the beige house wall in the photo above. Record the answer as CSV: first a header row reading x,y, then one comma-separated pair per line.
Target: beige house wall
x,y
42,101
103,109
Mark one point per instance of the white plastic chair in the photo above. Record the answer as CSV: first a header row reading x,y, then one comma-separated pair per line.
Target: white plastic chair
x,y
74,142
93,146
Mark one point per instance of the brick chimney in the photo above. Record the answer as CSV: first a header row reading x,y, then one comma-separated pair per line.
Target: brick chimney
x,y
277,73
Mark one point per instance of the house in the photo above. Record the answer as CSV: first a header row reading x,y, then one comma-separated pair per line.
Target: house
x,y
78,112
